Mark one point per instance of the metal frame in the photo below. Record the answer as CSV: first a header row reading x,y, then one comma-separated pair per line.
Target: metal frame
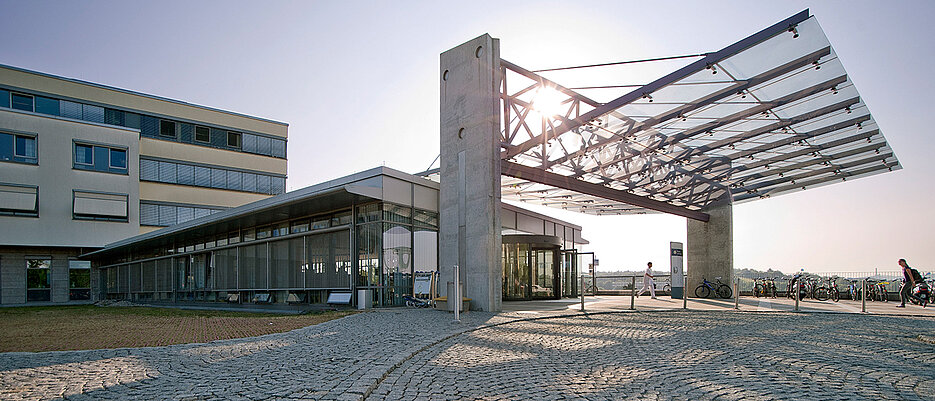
x,y
594,158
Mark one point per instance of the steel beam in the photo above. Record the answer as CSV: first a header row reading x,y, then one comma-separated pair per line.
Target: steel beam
x,y
843,175
710,99
830,169
559,181
798,95
705,62
807,150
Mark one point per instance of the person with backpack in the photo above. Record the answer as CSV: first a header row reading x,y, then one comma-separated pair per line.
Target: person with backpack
x,y
910,278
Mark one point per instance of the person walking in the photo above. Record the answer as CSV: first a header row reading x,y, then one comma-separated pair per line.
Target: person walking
x,y
648,282
909,281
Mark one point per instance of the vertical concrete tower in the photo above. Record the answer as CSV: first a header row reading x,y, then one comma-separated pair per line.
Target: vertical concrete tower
x,y
470,171
710,247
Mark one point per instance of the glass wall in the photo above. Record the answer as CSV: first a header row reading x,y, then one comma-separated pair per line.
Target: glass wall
x,y
301,260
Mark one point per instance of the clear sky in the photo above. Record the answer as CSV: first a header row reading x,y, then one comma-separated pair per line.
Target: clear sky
x,y
357,82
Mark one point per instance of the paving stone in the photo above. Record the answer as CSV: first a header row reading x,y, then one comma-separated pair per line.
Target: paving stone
x,y
404,354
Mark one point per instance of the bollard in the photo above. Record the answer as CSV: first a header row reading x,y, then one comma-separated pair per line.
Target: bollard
x,y
457,294
863,296
737,294
797,293
684,291
582,293
633,294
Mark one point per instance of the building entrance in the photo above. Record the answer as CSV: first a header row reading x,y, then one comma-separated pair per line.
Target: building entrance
x,y
531,267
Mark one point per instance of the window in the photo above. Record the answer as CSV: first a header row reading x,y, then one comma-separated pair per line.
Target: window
x,y
79,280
233,139
202,134
38,279
279,148
167,128
166,215
22,102
99,206
100,158
24,147
18,148
84,154
19,200
115,117
46,105
118,158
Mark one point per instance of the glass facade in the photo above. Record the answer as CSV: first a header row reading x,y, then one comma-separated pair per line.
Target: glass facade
x,y
300,260
536,267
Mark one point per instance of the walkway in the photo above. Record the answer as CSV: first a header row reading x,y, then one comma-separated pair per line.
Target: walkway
x,y
747,304
421,354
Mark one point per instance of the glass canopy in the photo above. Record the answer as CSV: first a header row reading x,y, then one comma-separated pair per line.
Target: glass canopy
x,y
771,114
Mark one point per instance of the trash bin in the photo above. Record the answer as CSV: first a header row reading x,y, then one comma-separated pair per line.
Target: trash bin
x,y
364,299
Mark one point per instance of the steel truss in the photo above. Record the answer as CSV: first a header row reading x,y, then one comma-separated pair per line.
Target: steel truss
x,y
781,116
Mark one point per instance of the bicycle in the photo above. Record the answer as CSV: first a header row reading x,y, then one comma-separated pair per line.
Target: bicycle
x,y
882,293
771,287
819,292
759,287
706,288
833,289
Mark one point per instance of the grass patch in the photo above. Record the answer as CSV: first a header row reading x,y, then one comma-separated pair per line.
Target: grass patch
x,y
63,328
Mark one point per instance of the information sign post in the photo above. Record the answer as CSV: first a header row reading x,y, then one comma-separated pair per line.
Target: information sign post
x,y
676,270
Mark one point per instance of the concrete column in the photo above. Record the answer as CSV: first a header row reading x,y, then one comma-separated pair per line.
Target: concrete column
x,y
710,247
13,278
469,199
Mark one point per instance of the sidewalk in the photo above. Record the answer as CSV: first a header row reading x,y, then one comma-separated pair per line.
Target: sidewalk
x,y
747,304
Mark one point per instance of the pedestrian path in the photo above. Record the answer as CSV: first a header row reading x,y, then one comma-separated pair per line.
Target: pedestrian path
x,y
542,350
747,304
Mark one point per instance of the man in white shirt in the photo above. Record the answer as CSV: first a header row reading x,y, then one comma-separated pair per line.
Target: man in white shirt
x,y
648,282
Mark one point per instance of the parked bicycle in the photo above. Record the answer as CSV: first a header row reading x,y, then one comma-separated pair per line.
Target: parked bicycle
x,y
881,291
707,288
797,282
853,290
833,289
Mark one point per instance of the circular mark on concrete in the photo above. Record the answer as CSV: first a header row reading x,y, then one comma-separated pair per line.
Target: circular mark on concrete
x,y
445,75
479,52
461,133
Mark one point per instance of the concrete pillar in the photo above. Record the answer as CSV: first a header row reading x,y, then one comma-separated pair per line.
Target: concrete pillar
x,y
710,247
469,199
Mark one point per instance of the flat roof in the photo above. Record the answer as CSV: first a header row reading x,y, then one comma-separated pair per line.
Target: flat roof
x,y
771,114
130,92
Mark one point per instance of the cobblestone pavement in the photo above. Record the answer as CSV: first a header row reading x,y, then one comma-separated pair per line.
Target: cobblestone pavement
x,y
338,359
420,354
677,355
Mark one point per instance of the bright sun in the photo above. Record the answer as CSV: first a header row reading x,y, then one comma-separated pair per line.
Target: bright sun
x,y
548,101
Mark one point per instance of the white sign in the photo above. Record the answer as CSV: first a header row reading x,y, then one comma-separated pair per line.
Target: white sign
x,y
423,283
675,260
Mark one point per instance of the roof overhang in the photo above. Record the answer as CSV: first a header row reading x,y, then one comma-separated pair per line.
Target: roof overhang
x,y
771,114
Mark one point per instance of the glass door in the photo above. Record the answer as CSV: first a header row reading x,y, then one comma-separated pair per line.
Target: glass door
x,y
570,279
543,278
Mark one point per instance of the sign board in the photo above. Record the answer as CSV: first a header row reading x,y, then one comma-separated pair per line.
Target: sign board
x,y
422,284
676,268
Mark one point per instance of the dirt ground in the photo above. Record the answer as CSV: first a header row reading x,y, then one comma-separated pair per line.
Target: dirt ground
x,y
60,328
